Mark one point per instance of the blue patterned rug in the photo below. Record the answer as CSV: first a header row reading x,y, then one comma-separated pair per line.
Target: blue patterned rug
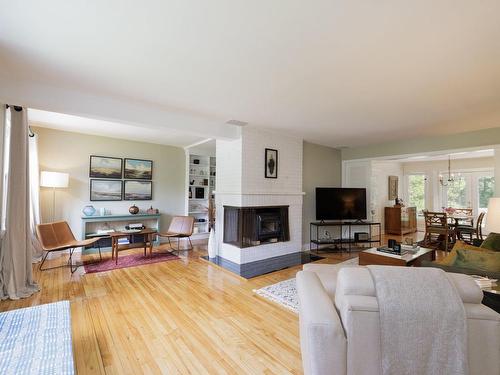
x,y
37,340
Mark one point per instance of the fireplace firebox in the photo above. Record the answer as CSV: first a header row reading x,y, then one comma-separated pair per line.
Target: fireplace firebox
x,y
253,226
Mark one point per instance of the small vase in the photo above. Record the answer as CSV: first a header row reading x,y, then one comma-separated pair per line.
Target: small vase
x,y
133,209
212,251
88,210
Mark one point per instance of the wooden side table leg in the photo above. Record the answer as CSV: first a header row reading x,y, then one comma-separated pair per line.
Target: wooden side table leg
x,y
116,251
151,245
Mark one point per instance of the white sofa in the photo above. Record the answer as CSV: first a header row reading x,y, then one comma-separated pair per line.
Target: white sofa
x,y
339,323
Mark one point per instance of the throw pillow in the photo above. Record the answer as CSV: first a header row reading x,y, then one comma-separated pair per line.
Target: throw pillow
x,y
450,258
486,261
492,242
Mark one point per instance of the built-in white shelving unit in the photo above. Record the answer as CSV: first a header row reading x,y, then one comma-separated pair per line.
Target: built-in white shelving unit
x,y
201,185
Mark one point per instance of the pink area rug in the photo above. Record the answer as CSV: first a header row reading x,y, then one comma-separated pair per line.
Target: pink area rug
x,y
126,261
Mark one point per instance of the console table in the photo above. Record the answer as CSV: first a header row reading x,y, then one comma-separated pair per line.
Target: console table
x,y
91,225
316,241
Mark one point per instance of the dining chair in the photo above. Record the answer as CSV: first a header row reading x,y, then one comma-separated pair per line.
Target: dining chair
x,y
473,232
180,227
437,231
464,212
58,236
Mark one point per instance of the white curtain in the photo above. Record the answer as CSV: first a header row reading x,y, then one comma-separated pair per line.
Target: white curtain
x,y
16,253
34,196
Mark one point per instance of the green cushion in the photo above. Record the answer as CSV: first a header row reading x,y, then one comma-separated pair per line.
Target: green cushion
x,y
492,242
487,261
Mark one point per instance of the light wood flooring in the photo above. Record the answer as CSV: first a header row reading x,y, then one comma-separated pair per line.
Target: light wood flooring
x,y
184,316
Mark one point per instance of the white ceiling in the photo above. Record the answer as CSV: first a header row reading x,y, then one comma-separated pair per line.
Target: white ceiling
x,y
85,125
334,72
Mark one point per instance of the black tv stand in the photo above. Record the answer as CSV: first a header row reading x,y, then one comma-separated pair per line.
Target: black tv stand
x,y
339,242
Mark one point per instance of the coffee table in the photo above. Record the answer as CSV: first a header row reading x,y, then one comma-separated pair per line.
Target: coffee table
x,y
372,256
148,234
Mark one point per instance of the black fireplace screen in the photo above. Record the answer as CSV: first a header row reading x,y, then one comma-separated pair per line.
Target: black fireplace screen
x,y
253,226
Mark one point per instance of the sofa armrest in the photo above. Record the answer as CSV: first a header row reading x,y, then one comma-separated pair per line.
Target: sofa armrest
x,y
322,338
467,271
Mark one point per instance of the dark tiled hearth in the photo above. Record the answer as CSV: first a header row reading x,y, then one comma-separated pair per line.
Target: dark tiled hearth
x,y
261,267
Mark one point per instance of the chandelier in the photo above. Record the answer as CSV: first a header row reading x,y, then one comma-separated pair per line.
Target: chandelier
x,y
451,176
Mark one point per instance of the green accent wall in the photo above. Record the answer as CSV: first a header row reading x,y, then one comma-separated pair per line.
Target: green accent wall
x,y
478,138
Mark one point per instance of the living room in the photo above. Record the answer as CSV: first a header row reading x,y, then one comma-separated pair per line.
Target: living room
x,y
250,188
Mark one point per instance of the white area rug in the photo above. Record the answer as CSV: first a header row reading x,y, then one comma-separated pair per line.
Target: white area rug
x,y
284,293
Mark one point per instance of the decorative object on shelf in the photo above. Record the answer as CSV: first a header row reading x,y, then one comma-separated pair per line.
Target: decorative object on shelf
x,y
212,250
205,182
102,211
134,210
54,180
152,210
105,190
271,163
393,187
191,182
105,167
196,161
398,202
138,169
89,210
138,190
451,176
190,193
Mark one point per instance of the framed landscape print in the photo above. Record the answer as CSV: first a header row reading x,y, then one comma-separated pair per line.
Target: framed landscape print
x,y
105,190
105,167
137,169
271,163
138,190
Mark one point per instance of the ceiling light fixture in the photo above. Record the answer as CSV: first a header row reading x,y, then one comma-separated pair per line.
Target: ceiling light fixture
x,y
451,176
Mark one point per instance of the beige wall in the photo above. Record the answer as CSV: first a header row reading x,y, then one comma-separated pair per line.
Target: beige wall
x,y
69,152
321,167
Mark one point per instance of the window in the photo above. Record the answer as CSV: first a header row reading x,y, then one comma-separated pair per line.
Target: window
x,y
457,193
470,190
416,191
485,190
5,140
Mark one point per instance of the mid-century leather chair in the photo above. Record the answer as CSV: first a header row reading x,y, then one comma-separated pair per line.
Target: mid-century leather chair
x,y
57,237
180,227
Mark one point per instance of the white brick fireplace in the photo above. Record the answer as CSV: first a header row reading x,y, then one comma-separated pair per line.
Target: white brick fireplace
x,y
241,183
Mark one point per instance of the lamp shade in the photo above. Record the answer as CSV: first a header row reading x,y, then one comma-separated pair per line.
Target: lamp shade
x,y
493,216
54,179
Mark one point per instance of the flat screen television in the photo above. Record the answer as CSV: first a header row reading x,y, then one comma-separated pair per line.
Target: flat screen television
x,y
340,203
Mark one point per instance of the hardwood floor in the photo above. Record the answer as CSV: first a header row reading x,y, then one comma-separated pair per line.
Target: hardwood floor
x,y
176,317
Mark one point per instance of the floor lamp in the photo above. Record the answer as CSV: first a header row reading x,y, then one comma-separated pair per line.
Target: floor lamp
x,y
493,216
54,180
